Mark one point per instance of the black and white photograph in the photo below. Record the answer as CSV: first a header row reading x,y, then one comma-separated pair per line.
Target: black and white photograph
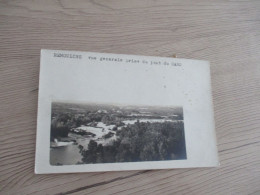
x,y
89,133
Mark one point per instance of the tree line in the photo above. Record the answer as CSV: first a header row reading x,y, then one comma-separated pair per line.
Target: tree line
x,y
140,142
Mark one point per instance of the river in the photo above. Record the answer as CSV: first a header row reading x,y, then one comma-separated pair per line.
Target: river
x,y
66,155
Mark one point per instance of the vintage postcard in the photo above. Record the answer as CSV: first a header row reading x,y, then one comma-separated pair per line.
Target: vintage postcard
x,y
113,112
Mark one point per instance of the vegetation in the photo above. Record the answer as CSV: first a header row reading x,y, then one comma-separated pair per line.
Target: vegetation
x,y
140,142
110,134
60,126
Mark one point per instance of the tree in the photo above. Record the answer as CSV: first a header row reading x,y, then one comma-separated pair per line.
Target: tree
x,y
91,153
141,142
60,127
